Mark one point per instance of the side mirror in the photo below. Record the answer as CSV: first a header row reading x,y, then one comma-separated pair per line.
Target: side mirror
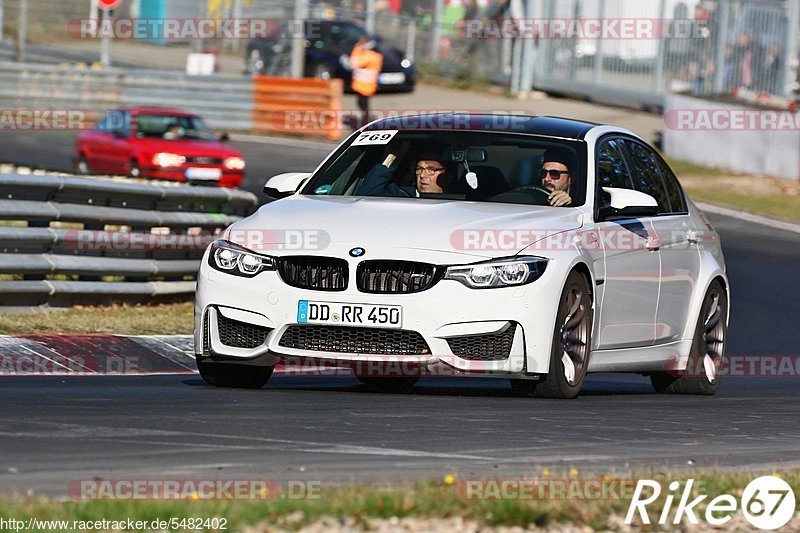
x,y
627,203
224,137
286,184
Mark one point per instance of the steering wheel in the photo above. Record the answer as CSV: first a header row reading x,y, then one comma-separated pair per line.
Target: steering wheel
x,y
541,196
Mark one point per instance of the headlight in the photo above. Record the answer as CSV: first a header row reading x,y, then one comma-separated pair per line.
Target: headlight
x,y
237,260
164,159
405,63
501,273
233,163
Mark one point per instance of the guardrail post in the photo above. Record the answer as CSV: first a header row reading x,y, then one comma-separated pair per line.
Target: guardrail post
x,y
369,22
105,43
436,34
411,39
22,26
597,66
789,67
722,41
299,38
658,77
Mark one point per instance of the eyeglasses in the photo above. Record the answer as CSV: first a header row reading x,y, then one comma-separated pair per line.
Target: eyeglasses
x,y
428,170
554,174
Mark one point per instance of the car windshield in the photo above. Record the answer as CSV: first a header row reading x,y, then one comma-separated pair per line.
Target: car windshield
x,y
172,127
450,165
343,34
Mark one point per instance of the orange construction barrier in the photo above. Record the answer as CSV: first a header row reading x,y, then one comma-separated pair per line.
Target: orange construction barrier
x,y
297,106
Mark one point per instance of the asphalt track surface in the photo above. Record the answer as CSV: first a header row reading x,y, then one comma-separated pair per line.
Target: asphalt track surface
x,y
57,429
53,150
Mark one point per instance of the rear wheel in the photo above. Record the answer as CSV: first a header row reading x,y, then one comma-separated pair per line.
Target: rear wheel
x,y
708,350
235,376
572,340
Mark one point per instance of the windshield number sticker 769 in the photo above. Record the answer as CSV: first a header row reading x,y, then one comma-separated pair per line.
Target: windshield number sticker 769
x,y
375,137
390,316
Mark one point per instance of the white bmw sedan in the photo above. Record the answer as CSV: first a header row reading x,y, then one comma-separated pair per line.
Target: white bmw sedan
x,y
534,249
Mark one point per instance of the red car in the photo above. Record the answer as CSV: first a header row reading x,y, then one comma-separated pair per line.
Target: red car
x,y
157,142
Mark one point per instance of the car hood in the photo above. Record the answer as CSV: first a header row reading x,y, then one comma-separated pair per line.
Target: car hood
x,y
189,147
450,228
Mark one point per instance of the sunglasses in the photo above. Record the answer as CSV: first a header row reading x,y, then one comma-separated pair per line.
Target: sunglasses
x,y
554,174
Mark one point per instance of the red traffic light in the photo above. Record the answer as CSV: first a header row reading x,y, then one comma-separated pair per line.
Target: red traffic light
x,y
108,5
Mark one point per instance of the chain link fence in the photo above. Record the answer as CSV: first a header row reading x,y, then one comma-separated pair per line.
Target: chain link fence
x,y
702,47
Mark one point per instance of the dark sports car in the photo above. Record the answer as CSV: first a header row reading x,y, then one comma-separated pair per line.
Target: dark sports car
x,y
328,45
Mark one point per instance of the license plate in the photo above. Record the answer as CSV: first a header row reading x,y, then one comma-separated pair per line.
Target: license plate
x,y
392,78
195,173
387,316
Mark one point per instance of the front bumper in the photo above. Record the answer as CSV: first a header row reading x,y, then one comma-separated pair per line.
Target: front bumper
x,y
229,178
451,319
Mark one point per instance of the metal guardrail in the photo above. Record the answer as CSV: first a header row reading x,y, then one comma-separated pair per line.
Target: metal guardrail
x,y
226,102
67,240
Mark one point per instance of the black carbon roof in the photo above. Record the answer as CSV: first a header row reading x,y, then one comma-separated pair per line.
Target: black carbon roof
x,y
549,126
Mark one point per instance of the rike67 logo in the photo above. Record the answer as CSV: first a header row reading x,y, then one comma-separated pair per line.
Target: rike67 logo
x,y
767,502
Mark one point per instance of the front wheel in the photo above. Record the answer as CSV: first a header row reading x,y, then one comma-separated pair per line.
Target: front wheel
x,y
701,376
234,376
572,341
82,166
135,171
323,72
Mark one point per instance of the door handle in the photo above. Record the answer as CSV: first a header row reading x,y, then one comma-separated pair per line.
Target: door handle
x,y
653,243
692,236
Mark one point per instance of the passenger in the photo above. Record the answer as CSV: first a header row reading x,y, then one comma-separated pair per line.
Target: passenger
x,y
555,175
431,177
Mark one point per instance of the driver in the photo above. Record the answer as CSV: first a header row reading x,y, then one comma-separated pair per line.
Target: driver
x,y
555,176
431,177
175,131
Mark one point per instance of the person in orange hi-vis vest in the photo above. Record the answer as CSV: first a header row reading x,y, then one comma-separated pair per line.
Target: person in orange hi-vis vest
x,y
366,63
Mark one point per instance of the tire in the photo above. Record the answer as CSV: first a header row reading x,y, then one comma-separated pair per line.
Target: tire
x,y
82,166
388,384
572,341
708,350
234,376
323,72
135,171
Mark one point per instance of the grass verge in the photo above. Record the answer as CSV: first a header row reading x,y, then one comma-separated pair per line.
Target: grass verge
x,y
361,506
167,319
761,195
